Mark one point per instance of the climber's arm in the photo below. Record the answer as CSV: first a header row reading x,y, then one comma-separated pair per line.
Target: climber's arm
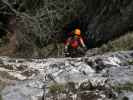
x,y
82,42
67,43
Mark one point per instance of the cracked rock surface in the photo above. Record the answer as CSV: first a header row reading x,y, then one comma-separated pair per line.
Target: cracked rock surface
x,y
86,78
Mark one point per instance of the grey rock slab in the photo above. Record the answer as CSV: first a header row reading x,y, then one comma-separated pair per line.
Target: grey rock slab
x,y
33,74
23,91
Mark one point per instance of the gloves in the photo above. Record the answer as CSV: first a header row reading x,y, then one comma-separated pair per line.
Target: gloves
x,y
66,52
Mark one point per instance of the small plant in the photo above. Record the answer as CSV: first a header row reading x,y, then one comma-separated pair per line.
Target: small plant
x,y
127,87
130,62
57,88
0,97
122,43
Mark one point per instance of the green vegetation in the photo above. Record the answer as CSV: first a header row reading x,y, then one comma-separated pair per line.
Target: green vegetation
x,y
57,88
126,87
0,97
120,44
2,85
130,62
6,75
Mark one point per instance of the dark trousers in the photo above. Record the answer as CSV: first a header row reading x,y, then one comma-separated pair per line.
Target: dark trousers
x,y
75,52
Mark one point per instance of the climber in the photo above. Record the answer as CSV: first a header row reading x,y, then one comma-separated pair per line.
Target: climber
x,y
75,43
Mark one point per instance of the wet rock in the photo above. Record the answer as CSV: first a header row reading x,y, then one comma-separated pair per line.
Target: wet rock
x,y
86,86
79,77
21,68
22,91
88,96
29,73
7,67
125,98
1,63
71,87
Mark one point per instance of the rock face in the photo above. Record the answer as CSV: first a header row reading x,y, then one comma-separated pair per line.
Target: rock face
x,y
86,78
106,19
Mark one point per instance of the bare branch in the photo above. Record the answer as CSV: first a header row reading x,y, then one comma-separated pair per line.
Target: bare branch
x,y
10,7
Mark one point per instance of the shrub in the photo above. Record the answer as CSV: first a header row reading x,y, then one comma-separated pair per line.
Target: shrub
x,y
57,88
120,44
127,87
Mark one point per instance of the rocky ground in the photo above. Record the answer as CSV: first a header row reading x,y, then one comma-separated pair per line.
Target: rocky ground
x,y
100,77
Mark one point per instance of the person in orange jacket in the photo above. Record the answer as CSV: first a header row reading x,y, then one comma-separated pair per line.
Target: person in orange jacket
x,y
75,41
